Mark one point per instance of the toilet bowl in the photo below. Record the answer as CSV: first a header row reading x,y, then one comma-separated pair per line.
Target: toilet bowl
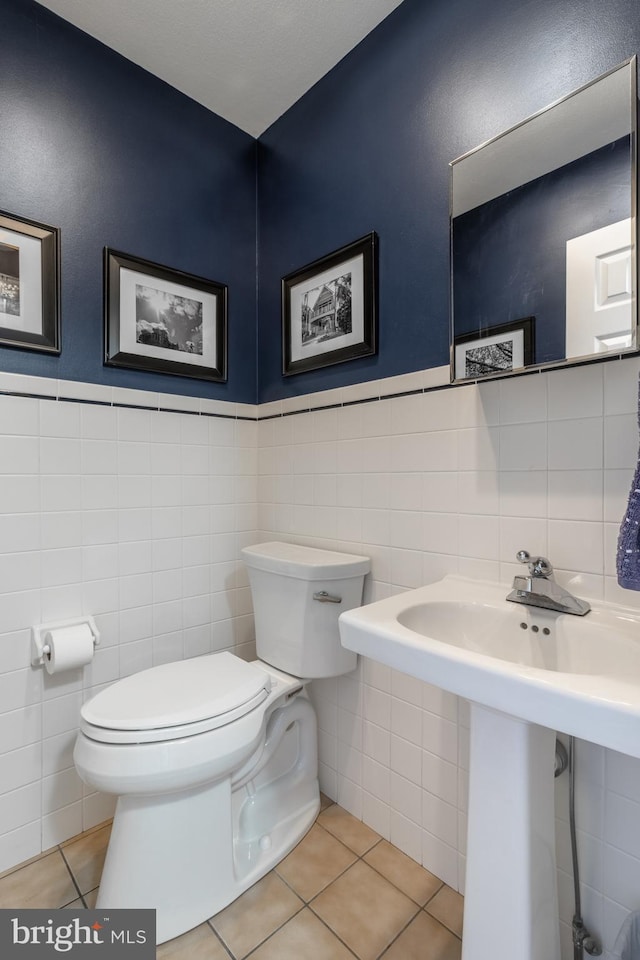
x,y
214,759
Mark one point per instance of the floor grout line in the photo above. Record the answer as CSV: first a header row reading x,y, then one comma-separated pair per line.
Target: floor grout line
x,y
219,938
73,879
429,899
400,932
273,932
332,932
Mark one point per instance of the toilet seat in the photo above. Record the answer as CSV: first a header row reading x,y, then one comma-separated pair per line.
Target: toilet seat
x,y
176,700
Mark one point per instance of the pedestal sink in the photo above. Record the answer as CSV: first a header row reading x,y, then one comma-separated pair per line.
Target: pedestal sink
x,y
527,672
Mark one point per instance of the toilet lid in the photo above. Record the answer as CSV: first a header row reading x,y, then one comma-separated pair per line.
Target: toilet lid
x,y
177,694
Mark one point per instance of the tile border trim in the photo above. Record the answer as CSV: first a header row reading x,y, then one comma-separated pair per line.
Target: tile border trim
x,y
36,388
437,379
419,382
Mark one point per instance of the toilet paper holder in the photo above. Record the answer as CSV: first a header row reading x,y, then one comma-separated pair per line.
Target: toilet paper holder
x,y
39,649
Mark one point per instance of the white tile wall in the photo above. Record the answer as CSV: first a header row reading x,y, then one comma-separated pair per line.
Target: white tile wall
x,y
135,516
457,480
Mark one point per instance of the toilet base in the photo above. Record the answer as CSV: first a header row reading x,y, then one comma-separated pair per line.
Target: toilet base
x,y
191,853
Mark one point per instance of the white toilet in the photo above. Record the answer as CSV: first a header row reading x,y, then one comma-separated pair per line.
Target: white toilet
x,y
214,760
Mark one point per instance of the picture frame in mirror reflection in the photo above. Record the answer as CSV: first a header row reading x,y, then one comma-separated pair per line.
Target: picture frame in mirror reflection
x,y
329,309
163,320
29,284
496,350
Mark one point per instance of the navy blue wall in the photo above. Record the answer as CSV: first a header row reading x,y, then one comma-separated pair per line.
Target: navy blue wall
x,y
368,148
115,157
509,255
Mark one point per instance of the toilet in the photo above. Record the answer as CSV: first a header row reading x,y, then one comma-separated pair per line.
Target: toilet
x,y
214,759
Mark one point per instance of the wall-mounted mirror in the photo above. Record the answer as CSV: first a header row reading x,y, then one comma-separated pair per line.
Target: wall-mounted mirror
x,y
543,236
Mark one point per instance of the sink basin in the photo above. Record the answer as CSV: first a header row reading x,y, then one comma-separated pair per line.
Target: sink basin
x,y
560,643
580,675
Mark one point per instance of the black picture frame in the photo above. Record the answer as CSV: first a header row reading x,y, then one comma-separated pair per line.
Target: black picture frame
x,y
29,284
495,350
162,320
343,286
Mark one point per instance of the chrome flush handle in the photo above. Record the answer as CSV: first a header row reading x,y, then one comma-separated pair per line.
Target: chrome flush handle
x,y
323,597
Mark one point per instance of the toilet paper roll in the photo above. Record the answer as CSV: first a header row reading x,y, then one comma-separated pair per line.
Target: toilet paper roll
x,y
69,647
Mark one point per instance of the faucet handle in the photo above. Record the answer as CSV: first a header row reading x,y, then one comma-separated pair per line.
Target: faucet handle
x,y
538,566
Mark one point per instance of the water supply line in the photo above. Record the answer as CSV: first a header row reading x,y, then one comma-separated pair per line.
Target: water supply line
x,y
582,939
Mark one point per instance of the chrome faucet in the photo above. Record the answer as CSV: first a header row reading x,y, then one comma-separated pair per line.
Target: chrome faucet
x,y
539,588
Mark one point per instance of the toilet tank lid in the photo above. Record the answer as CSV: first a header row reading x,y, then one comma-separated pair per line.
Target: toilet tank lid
x,y
305,563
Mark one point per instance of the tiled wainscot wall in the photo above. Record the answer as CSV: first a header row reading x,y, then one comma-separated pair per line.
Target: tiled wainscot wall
x,y
133,507
457,480
135,515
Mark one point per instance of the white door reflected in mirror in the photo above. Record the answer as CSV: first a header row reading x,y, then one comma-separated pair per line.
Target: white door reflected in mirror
x,y
600,291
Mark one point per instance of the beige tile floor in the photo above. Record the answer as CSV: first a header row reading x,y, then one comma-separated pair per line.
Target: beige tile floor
x,y
343,892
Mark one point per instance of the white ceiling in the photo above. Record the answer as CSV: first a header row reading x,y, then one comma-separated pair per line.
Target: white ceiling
x,y
247,60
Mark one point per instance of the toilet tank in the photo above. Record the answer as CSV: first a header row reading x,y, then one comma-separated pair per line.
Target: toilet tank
x,y
292,588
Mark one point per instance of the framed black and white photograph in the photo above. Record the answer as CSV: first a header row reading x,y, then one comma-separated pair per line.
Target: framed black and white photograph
x,y
29,285
498,349
329,309
162,320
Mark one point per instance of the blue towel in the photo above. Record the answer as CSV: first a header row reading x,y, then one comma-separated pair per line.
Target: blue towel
x,y
628,553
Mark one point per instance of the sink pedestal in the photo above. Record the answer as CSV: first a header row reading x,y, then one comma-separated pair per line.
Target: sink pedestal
x,y
511,904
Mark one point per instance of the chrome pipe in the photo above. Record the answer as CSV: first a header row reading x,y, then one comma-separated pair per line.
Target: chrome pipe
x,y
582,939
